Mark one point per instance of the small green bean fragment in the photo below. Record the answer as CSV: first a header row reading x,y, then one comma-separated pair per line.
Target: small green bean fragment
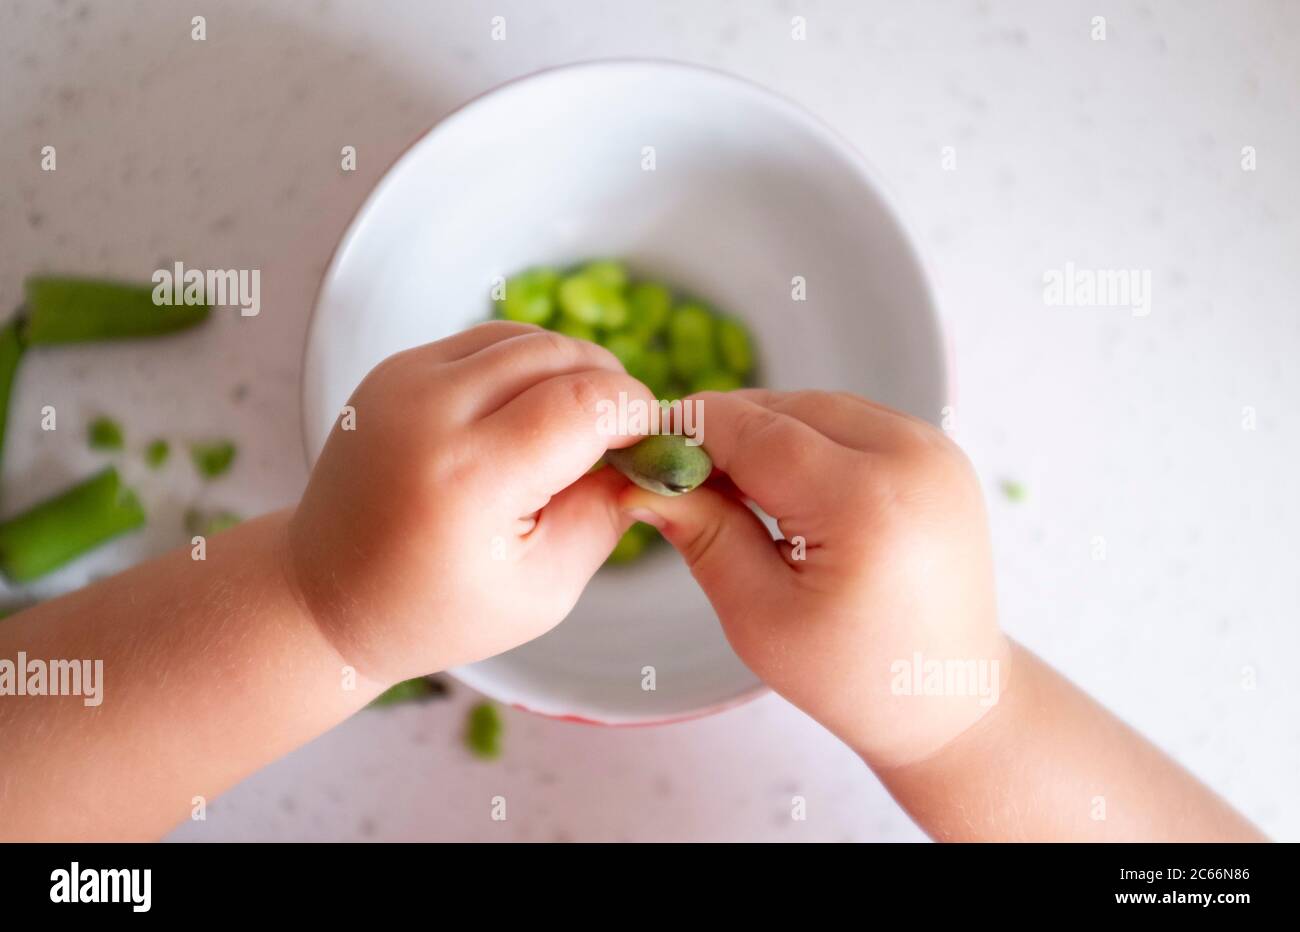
x,y
483,729
74,310
1014,491
663,463
208,523
632,544
62,528
420,689
104,433
212,459
155,455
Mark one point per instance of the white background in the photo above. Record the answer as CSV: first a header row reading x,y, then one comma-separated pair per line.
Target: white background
x,y
1117,154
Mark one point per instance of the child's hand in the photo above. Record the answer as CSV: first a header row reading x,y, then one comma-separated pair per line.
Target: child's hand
x,y
895,561
455,521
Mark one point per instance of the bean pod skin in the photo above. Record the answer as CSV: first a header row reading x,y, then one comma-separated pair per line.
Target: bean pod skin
x,y
663,463
62,528
61,309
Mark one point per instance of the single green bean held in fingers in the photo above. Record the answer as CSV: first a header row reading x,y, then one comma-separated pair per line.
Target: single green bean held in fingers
x,y
62,528
77,310
673,343
664,463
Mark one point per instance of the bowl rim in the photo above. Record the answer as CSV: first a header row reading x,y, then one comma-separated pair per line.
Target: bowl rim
x,y
852,157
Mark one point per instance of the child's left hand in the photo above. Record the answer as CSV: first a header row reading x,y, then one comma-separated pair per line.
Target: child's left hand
x,y
455,521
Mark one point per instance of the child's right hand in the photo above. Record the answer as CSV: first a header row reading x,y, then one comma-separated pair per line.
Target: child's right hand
x,y
456,521
896,561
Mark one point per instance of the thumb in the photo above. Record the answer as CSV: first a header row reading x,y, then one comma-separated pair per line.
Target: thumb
x,y
582,524
729,550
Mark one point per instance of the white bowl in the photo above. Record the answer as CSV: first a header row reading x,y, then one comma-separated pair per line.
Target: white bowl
x,y
748,191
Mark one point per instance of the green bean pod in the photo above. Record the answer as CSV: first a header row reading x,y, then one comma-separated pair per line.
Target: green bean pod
x,y
11,352
77,310
62,528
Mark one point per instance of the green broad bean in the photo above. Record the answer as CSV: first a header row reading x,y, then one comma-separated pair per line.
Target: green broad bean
x,y
716,381
663,463
653,370
593,302
649,304
576,329
735,347
607,272
627,349
691,341
632,544
530,296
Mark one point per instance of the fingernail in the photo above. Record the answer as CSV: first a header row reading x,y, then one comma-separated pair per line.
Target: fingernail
x,y
644,514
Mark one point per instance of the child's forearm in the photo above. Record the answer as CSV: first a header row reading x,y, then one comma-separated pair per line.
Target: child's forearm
x,y
211,669
1047,763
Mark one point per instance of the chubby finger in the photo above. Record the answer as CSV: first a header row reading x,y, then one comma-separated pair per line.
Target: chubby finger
x,y
459,345
554,431
479,337
729,550
492,377
850,421
782,463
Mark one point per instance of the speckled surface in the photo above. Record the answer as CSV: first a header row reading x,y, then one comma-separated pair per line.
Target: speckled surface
x,y
1124,153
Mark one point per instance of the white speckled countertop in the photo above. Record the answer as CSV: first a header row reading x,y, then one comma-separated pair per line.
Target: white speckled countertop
x,y
1124,153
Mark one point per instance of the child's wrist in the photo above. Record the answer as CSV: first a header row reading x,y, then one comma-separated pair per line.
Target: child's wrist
x,y
982,740
352,677
979,706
